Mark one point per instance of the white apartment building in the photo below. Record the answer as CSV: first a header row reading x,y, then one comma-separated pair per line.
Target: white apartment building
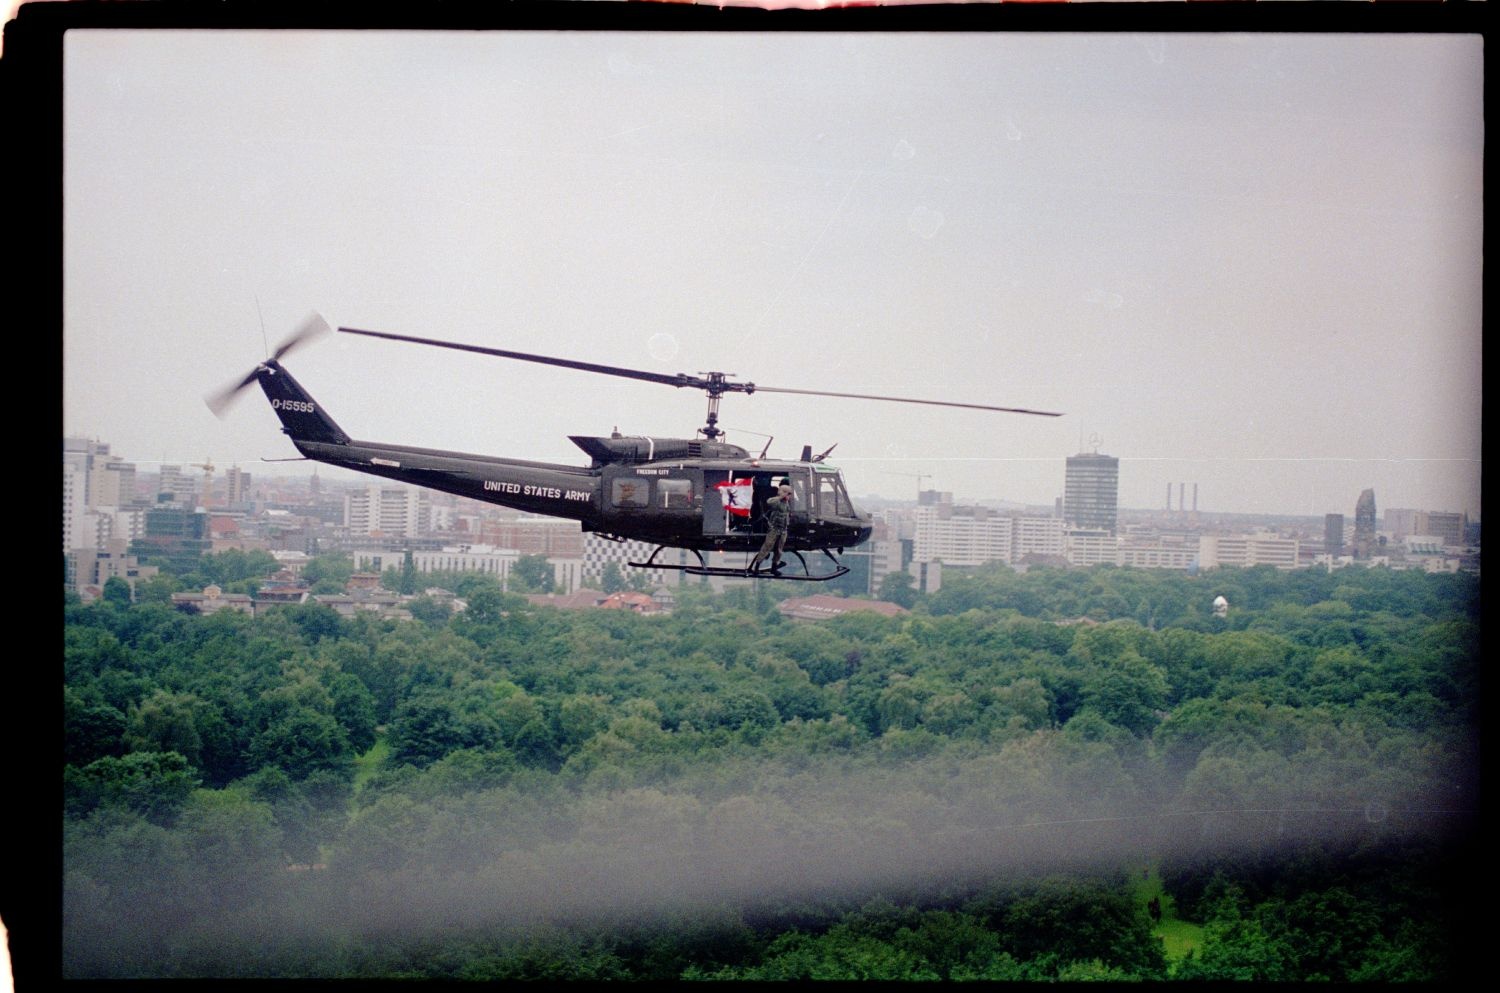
x,y
567,574
1037,536
961,536
1161,553
74,504
968,536
885,558
388,511
1090,546
181,485
111,484
1245,550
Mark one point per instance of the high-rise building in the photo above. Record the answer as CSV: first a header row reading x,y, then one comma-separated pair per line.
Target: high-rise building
x,y
388,511
1333,534
236,485
1364,525
74,505
1447,525
177,486
962,536
111,483
1091,491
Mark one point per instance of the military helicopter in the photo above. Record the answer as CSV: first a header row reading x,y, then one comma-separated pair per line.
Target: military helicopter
x,y
701,494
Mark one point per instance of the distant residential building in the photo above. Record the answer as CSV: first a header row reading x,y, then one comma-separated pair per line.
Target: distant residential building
x,y
549,536
886,556
457,558
962,536
212,600
970,536
1246,550
498,562
95,566
1091,491
1089,546
176,485
1164,551
1036,537
74,505
1449,527
111,484
384,510
236,486
83,454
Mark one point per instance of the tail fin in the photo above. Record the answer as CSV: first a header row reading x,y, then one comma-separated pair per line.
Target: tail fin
x,y
301,417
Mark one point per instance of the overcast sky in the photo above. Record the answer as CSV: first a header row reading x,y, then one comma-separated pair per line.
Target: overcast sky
x,y
1249,262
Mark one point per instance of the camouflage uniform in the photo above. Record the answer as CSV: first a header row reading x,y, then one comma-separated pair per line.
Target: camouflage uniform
x,y
778,519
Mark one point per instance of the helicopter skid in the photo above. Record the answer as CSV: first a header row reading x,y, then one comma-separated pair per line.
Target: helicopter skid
x,y
704,569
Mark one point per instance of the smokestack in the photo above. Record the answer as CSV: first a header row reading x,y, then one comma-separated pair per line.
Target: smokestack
x,y
1169,498
1195,498
1182,496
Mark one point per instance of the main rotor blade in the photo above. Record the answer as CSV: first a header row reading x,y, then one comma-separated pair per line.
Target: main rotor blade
x,y
609,370
309,329
934,403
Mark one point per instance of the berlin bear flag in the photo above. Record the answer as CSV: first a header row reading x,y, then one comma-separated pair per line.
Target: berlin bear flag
x,y
736,495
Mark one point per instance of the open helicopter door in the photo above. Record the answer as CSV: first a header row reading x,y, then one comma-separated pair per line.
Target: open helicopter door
x,y
734,500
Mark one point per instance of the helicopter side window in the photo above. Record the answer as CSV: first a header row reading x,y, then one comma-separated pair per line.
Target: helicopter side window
x,y
675,494
831,498
630,493
800,502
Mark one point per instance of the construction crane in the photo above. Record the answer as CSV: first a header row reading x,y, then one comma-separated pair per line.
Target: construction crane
x,y
208,479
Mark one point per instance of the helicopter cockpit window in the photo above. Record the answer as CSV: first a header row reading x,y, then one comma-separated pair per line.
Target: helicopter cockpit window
x,y
675,494
831,497
630,493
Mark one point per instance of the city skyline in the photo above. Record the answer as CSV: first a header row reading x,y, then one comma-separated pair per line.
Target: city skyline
x,y
302,473
1249,262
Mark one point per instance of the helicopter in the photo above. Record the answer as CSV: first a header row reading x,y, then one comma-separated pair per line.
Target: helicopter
x,y
702,494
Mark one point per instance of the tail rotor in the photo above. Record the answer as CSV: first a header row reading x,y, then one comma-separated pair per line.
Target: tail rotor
x,y
221,400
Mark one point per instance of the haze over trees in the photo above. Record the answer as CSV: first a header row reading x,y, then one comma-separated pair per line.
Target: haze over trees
x,y
979,789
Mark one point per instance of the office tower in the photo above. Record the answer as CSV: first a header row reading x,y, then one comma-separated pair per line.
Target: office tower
x,y
1364,525
1091,491
1333,534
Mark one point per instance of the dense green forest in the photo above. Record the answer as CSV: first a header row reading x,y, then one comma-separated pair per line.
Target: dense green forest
x,y
1062,775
